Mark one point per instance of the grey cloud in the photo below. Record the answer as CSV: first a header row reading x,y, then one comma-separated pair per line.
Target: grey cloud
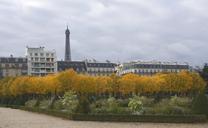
x,y
117,30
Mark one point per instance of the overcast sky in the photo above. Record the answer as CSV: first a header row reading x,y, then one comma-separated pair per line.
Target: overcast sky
x,y
117,30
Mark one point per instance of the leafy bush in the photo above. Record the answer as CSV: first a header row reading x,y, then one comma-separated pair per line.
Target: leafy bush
x,y
70,101
44,104
114,106
99,106
169,110
135,105
180,101
110,106
147,102
200,104
31,103
58,105
123,102
119,110
83,105
172,106
100,110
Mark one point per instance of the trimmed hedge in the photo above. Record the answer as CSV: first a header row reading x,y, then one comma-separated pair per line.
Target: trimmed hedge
x,y
48,112
117,117
123,118
142,118
10,106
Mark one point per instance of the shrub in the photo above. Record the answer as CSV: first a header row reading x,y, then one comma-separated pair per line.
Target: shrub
x,y
147,102
70,101
109,106
44,104
58,105
200,104
172,106
112,105
31,103
123,102
101,110
180,101
98,106
171,110
83,105
135,105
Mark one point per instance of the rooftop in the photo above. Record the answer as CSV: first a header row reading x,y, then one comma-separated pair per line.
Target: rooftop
x,y
156,62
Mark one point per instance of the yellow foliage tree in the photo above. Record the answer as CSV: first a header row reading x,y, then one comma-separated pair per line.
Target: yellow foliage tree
x,y
183,83
128,83
67,79
52,84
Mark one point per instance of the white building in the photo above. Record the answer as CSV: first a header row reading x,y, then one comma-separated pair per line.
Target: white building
x,y
151,67
95,68
41,62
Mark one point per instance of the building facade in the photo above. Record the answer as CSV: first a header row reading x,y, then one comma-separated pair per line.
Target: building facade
x,y
100,68
41,62
78,66
88,68
13,66
151,67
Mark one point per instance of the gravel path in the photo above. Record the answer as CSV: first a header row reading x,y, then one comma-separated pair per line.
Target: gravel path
x,y
14,118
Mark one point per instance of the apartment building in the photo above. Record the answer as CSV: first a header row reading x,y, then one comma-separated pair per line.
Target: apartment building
x,y
151,67
41,62
13,66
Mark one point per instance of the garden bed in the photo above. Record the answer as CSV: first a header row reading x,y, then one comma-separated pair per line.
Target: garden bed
x,y
122,117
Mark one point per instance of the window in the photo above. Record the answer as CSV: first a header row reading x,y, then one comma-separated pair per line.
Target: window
x,y
16,60
2,65
36,54
24,60
41,54
42,59
48,65
15,65
7,65
83,69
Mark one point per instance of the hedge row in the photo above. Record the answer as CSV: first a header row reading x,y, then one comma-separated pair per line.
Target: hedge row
x,y
10,106
142,118
123,118
48,112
